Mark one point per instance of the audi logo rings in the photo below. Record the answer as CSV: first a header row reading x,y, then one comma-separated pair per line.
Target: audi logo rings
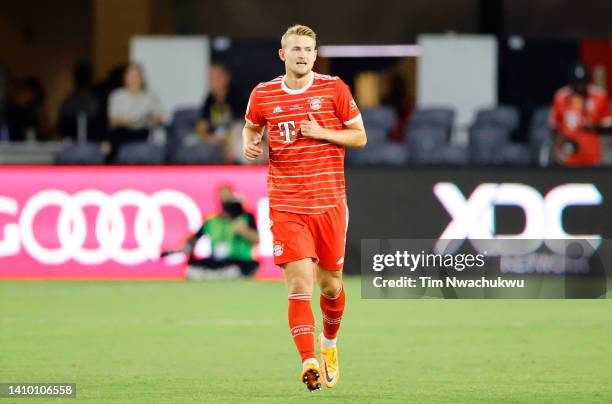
x,y
110,225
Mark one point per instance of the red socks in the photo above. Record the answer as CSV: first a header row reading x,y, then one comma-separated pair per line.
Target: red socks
x,y
302,324
332,308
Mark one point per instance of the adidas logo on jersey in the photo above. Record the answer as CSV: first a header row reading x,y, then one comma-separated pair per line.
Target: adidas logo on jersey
x,y
277,110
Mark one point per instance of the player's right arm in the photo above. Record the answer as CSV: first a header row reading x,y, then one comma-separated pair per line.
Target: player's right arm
x,y
251,141
253,129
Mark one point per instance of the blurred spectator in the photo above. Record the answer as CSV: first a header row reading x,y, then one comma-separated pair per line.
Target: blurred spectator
x,y
580,113
132,110
232,235
24,112
397,98
79,117
218,114
103,89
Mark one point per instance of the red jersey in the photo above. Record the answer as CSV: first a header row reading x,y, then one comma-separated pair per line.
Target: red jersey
x,y
305,175
571,113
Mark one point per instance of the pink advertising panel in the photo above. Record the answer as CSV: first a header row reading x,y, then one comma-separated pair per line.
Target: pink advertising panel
x,y
113,222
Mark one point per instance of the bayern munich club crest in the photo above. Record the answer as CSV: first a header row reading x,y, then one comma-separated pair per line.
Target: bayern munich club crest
x,y
315,103
278,250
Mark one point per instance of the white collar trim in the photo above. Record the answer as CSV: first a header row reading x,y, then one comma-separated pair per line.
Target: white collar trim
x,y
299,90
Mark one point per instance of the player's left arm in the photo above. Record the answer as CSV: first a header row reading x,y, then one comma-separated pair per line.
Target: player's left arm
x,y
353,134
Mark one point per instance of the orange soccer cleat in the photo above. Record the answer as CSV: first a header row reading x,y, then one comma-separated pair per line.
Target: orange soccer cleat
x,y
329,364
311,375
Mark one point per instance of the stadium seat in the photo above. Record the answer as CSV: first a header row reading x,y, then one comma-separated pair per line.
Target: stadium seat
x,y
138,153
199,153
378,121
377,139
358,157
516,154
182,125
541,142
395,155
540,118
426,144
486,143
389,154
541,136
427,117
505,116
381,118
379,151
80,154
184,121
456,155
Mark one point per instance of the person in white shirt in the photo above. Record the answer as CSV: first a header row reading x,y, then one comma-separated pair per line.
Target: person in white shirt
x,y
132,110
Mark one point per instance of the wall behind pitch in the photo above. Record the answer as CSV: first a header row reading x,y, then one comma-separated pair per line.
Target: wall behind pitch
x,y
113,222
458,71
336,22
176,68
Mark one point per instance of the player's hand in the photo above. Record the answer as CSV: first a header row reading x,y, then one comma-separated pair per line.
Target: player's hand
x,y
311,128
252,150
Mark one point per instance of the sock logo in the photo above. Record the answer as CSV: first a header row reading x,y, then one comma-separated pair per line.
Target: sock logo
x,y
301,329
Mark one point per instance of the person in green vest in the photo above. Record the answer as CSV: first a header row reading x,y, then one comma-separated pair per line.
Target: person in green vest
x,y
231,236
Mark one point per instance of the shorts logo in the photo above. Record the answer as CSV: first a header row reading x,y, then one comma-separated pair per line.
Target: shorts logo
x,y
315,104
352,104
278,250
340,261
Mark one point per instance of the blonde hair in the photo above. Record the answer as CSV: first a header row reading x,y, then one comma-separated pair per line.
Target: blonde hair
x,y
300,30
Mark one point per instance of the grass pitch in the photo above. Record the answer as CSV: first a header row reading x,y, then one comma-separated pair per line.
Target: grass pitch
x,y
229,342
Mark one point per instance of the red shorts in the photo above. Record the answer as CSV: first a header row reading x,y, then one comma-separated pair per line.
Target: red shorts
x,y
321,237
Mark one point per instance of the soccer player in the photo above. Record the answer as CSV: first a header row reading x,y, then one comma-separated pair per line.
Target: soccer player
x,y
580,113
311,118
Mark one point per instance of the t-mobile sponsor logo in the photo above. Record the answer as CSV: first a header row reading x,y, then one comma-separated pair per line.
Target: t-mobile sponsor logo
x,y
287,131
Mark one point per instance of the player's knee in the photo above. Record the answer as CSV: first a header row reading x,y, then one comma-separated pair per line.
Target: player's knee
x,y
299,289
330,286
299,285
331,291
299,276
